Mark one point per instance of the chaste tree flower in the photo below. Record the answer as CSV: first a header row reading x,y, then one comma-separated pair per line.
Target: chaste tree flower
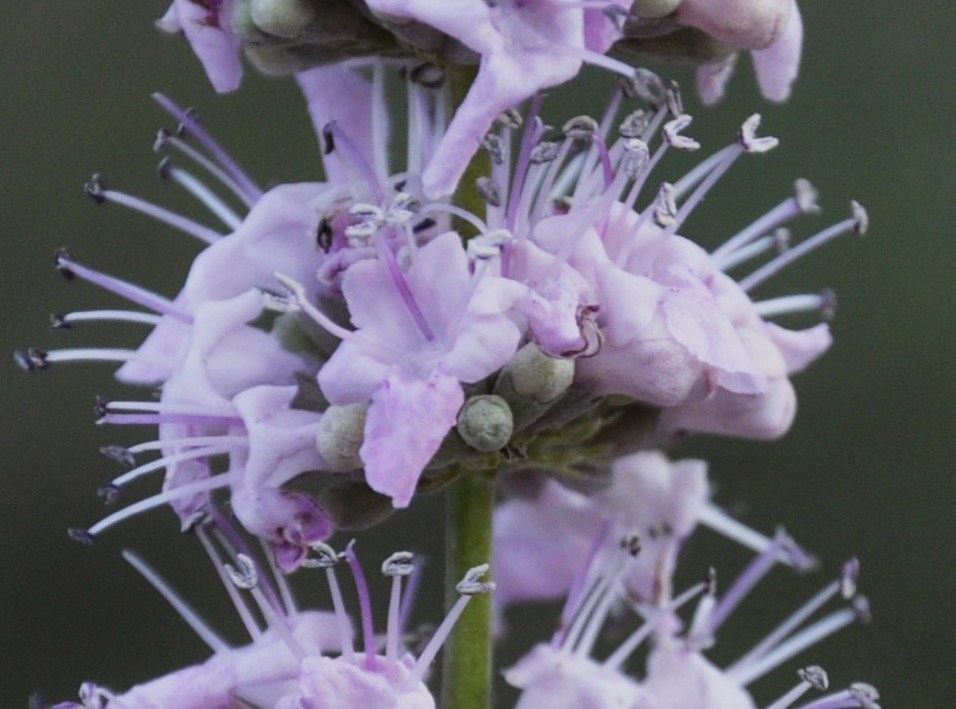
x,y
374,346
567,673
300,658
520,46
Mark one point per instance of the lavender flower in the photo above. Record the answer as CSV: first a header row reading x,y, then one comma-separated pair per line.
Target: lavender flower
x,y
510,352
301,658
660,500
565,672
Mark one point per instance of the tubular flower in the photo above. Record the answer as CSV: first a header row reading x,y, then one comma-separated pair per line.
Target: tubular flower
x,y
343,334
300,659
566,672
660,500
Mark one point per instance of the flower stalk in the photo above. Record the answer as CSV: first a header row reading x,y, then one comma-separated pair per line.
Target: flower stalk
x,y
466,675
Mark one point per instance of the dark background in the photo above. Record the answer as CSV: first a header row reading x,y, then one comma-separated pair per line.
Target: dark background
x,y
866,470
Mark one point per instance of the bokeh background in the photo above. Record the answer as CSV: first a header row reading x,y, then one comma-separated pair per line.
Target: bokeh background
x,y
867,469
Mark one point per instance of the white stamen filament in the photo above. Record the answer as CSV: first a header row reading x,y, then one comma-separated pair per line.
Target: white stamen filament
x,y
782,213
194,441
185,611
624,650
797,252
703,188
454,210
193,128
755,248
437,640
168,460
101,354
392,628
208,165
791,696
779,633
297,291
812,635
238,601
341,616
194,488
802,303
161,214
718,520
131,316
198,189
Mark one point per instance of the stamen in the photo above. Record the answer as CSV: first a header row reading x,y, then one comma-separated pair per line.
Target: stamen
x,y
365,606
530,136
34,358
778,634
624,650
59,321
750,576
190,126
718,520
242,608
809,636
857,223
859,694
813,677
301,300
404,290
469,586
168,460
779,241
164,138
802,202
326,558
155,419
96,189
823,302
162,498
69,269
190,441
162,407
198,625
398,565
245,577
198,189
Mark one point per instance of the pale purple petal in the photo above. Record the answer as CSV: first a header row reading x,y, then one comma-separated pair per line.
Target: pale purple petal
x,y
206,25
680,677
740,24
524,47
339,93
712,79
777,66
406,424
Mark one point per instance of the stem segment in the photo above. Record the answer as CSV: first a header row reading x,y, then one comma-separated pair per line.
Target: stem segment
x,y
466,676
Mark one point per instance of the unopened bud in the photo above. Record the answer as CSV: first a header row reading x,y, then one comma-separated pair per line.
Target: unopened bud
x,y
486,423
537,376
339,436
282,18
654,8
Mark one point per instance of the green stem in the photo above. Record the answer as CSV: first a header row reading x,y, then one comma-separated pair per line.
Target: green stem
x,y
466,676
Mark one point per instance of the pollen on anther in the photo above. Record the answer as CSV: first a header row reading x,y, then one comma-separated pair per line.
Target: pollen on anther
x,y
96,188
59,257
119,454
77,534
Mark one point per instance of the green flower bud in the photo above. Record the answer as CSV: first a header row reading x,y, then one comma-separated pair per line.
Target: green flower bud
x,y
339,436
282,18
532,381
486,423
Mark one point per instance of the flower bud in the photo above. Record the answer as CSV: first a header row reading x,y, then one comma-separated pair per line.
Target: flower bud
x,y
532,381
282,18
339,436
486,423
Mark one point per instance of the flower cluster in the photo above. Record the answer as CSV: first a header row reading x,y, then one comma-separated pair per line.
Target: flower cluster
x,y
517,301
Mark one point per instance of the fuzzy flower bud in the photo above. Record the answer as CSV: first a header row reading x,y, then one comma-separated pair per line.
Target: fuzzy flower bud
x,y
486,423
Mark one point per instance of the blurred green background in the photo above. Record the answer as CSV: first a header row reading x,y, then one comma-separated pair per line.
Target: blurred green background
x,y
867,469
